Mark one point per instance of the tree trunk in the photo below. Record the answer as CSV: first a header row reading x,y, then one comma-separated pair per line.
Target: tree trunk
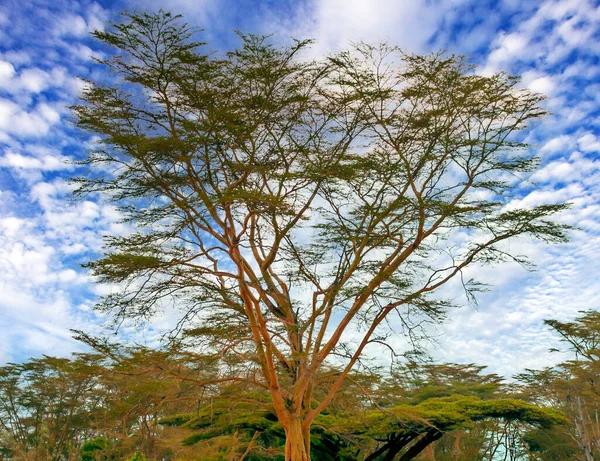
x,y
297,441
430,436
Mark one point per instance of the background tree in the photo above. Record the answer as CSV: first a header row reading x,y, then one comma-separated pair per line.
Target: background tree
x,y
282,203
573,387
45,406
405,431
140,386
438,411
128,402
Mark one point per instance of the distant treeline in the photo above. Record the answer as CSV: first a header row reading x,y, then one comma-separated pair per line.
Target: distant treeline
x,y
173,404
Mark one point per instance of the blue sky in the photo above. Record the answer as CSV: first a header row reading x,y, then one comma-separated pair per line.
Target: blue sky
x,y
45,48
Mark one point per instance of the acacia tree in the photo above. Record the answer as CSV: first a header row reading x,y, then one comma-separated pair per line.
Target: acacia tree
x,y
445,411
45,406
572,386
283,202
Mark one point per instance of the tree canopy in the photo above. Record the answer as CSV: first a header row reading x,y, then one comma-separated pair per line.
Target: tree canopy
x,y
281,203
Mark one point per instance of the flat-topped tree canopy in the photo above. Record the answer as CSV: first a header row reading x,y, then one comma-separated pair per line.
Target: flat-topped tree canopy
x,y
282,202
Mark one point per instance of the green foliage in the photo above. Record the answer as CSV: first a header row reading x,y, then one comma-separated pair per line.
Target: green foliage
x,y
450,407
450,413
571,387
176,420
138,456
117,267
136,384
281,201
99,449
45,404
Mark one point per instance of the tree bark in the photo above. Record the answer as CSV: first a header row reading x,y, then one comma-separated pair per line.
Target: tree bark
x,y
430,436
397,443
297,441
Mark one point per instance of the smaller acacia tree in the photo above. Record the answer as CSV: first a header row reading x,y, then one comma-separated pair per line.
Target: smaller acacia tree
x,y
439,411
282,203
405,431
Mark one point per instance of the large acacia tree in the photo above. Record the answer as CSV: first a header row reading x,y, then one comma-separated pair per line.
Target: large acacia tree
x,y
282,203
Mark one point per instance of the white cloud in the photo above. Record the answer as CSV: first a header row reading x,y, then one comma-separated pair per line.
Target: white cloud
x,y
46,163
556,28
71,25
544,85
506,331
589,143
556,144
34,80
25,122
511,47
575,168
547,196
37,283
30,81
408,24
7,70
334,24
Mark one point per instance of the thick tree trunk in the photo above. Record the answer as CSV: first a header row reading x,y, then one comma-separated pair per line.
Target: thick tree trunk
x,y
297,441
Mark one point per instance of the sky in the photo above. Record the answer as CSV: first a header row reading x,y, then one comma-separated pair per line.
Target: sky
x,y
46,50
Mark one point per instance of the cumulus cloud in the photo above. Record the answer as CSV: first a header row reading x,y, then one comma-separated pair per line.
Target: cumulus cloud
x,y
26,122
7,70
589,143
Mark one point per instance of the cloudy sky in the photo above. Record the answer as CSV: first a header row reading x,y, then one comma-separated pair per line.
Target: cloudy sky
x,y
45,48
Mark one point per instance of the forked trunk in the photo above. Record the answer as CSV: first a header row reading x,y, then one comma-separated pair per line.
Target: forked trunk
x,y
297,442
